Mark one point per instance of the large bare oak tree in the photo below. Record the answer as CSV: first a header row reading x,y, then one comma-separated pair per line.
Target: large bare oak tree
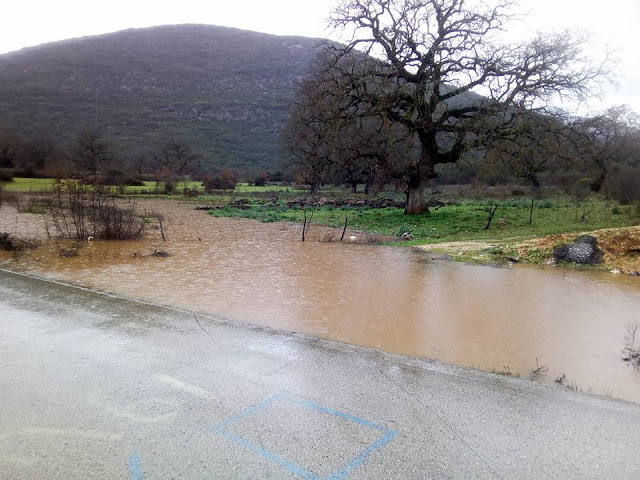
x,y
439,69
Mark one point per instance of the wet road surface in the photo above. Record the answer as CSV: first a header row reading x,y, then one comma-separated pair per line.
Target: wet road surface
x,y
95,386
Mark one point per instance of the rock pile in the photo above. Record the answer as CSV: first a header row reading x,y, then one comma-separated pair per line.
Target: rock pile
x,y
584,251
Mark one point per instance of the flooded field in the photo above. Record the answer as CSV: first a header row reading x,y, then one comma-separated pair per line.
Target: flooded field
x,y
395,299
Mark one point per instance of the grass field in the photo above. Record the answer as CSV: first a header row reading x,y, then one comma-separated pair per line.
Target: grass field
x,y
463,220
149,188
28,185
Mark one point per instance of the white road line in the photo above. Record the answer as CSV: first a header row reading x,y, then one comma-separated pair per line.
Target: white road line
x,y
186,387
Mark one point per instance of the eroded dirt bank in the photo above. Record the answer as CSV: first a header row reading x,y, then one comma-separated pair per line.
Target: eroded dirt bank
x,y
620,248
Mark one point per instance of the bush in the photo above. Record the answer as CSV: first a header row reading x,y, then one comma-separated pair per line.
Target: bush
x,y
225,180
124,180
11,243
69,252
6,175
80,211
261,180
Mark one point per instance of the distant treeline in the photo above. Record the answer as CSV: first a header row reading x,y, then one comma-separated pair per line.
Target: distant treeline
x,y
90,157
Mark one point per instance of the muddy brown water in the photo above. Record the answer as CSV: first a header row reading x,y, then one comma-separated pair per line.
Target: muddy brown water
x,y
395,299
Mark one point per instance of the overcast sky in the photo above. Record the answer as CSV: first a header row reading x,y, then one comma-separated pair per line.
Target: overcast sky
x,y
615,23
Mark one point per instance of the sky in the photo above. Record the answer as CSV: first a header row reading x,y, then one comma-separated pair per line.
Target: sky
x,y
611,23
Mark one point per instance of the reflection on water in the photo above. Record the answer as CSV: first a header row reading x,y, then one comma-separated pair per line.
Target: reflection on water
x,y
394,299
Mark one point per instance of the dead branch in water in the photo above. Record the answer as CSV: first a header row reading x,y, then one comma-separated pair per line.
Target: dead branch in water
x,y
539,368
159,217
632,349
306,224
161,229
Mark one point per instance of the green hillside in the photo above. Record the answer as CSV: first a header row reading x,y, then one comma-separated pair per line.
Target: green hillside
x,y
225,91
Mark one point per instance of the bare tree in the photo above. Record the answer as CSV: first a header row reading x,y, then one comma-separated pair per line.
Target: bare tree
x,y
308,133
139,164
435,67
174,159
176,155
90,154
530,145
609,139
326,143
9,147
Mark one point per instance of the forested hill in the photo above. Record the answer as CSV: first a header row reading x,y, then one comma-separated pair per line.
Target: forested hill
x,y
224,91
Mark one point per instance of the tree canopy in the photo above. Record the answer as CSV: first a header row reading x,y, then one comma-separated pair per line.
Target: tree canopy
x,y
436,74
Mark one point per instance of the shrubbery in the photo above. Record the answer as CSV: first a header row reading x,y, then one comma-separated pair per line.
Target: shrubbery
x,y
224,180
81,211
12,243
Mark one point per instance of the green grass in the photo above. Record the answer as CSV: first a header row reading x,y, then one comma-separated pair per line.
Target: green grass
x,y
151,187
28,185
461,221
45,184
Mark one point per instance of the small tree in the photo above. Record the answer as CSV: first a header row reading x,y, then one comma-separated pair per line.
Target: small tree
x,y
35,155
306,137
9,147
174,159
90,155
607,140
176,155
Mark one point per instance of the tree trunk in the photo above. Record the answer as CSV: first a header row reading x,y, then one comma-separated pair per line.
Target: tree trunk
x,y
415,195
315,185
533,178
417,185
597,184
354,187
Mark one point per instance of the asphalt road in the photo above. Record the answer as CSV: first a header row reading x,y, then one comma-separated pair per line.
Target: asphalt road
x,y
93,386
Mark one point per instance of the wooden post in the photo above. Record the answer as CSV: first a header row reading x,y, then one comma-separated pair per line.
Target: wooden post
x,y
492,212
531,212
344,229
304,224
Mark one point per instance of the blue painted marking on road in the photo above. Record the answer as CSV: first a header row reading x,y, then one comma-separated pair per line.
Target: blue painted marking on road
x,y
135,467
340,474
295,469
247,412
337,413
381,442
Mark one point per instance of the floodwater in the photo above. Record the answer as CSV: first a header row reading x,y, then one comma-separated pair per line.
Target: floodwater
x,y
395,299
